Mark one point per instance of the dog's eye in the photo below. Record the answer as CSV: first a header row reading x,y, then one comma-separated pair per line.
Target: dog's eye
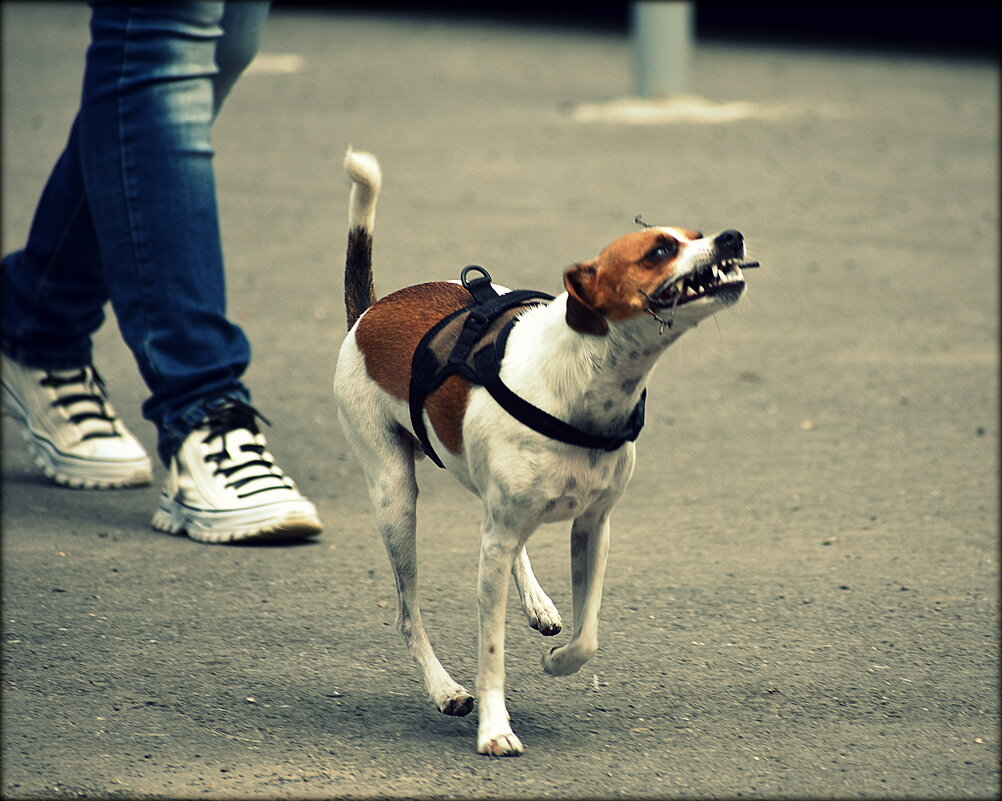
x,y
663,251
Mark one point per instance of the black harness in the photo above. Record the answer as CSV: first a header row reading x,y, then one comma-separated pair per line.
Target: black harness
x,y
474,339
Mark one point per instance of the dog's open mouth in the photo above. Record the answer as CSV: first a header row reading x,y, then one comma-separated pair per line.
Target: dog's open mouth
x,y
720,277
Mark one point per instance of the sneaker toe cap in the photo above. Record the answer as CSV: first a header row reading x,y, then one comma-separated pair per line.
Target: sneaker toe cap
x,y
117,449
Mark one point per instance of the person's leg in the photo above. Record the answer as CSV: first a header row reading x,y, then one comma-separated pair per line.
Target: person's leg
x,y
146,159
243,23
136,188
130,205
150,96
54,290
53,300
54,293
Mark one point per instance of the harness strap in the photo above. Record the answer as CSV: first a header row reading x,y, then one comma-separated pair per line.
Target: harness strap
x,y
430,368
489,377
425,379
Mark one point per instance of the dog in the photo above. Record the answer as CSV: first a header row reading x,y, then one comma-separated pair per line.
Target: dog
x,y
581,360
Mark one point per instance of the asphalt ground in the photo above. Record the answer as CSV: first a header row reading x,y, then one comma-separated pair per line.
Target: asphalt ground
x,y
802,593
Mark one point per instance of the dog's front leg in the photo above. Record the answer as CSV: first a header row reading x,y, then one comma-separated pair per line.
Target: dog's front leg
x,y
589,552
498,549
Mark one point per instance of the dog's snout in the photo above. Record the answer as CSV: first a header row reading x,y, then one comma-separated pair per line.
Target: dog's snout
x,y
730,243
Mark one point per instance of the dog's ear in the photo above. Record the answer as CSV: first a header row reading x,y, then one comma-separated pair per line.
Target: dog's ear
x,y
581,315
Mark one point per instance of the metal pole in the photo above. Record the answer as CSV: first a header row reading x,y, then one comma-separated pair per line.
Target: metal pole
x,y
662,45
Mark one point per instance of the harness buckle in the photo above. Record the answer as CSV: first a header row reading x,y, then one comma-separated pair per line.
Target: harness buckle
x,y
480,288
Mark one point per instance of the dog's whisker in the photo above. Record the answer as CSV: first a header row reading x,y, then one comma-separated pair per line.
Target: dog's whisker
x,y
678,297
664,323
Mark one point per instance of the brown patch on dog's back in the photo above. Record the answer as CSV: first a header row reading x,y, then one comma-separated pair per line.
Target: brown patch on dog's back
x,y
389,333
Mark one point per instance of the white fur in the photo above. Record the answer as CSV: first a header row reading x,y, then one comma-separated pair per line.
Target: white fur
x,y
366,181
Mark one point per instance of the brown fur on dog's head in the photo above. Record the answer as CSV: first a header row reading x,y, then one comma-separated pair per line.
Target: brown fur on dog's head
x,y
616,284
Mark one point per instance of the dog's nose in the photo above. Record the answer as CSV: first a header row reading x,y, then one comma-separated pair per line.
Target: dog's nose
x,y
730,242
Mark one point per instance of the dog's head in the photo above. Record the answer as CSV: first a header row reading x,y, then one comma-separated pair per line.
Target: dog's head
x,y
676,276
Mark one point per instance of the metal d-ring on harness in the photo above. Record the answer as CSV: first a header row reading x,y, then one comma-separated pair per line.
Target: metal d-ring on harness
x,y
474,338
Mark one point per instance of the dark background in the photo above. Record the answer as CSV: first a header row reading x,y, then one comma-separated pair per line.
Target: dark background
x,y
968,28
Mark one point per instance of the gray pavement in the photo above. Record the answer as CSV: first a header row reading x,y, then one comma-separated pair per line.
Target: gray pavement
x,y
802,596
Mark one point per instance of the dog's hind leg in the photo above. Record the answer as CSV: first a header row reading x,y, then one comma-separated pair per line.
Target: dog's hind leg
x,y
537,606
388,463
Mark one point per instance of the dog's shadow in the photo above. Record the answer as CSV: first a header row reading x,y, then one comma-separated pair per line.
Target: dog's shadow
x,y
373,718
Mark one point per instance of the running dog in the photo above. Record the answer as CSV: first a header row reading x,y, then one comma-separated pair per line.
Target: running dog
x,y
541,428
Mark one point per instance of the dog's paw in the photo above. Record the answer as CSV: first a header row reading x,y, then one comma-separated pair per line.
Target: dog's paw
x,y
563,660
547,627
505,744
458,705
543,616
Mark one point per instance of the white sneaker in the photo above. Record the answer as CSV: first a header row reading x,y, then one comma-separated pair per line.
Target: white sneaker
x,y
224,486
71,429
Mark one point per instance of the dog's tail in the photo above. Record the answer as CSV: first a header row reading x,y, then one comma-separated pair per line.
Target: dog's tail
x,y
366,177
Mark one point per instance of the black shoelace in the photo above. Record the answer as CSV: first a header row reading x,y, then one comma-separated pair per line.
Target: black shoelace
x,y
232,416
90,401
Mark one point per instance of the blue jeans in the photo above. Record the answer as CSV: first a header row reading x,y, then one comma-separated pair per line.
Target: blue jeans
x,y
129,212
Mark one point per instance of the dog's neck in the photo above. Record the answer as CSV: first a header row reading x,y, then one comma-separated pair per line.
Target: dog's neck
x,y
593,382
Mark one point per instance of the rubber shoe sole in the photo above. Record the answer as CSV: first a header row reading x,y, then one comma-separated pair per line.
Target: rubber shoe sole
x,y
284,521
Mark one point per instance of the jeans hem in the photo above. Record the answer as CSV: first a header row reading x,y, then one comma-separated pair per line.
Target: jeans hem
x,y
33,361
173,434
